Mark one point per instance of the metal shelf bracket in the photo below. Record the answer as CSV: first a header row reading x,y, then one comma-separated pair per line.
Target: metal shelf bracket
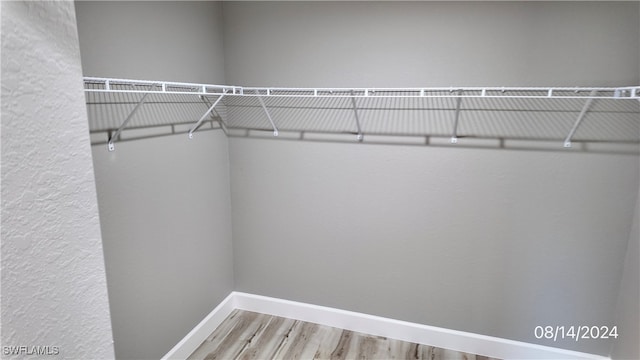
x,y
114,136
197,125
454,136
583,113
359,136
208,103
266,111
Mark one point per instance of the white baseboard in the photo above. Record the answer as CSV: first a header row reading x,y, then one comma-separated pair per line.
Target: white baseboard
x,y
374,325
199,334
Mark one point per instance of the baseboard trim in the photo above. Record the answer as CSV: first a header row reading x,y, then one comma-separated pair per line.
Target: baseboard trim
x,y
371,324
195,337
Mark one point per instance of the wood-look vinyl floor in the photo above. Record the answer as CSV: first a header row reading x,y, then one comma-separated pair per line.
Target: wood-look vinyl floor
x,y
250,335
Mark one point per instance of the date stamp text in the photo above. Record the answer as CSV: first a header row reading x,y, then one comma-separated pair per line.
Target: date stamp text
x,y
575,332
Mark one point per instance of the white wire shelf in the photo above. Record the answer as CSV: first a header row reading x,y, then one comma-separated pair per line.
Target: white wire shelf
x,y
109,85
567,114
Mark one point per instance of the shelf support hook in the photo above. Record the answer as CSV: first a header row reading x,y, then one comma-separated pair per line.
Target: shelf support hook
x,y
583,113
359,136
454,136
266,111
197,125
114,136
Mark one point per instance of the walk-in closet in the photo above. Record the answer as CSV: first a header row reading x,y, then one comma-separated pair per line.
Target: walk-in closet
x,y
335,179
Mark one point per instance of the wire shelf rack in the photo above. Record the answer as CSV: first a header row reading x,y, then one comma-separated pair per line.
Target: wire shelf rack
x,y
567,115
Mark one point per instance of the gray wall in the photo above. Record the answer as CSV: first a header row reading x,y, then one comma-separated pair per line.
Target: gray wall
x,y
628,310
627,317
164,210
160,40
489,241
164,202
54,291
415,44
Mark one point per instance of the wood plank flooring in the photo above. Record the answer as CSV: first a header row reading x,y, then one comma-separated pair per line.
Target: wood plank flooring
x,y
249,335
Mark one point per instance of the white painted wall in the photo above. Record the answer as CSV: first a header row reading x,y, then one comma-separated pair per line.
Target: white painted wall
x,y
488,241
54,291
164,202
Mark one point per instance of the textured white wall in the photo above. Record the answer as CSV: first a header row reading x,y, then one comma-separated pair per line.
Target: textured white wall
x,y
164,202
53,278
489,241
